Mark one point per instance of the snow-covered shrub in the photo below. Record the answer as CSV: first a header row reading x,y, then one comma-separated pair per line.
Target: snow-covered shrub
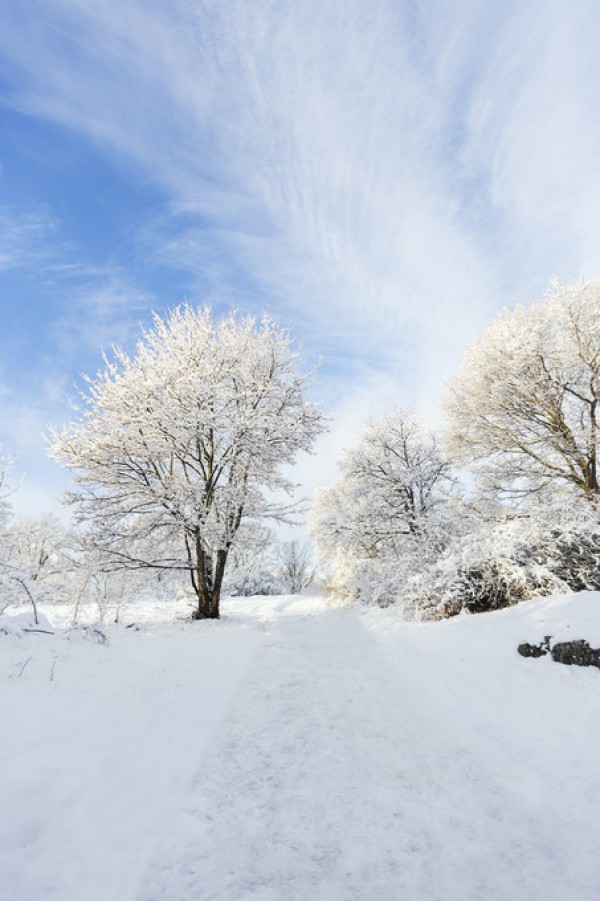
x,y
250,582
576,559
486,572
34,561
503,559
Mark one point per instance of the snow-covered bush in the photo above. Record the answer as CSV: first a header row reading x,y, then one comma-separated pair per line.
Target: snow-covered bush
x,y
250,582
507,557
576,558
486,570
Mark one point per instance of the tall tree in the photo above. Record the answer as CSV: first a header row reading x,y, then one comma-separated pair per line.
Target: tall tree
x,y
524,408
180,444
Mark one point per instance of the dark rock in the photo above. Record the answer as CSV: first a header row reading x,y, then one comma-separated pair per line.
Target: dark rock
x,y
577,653
532,650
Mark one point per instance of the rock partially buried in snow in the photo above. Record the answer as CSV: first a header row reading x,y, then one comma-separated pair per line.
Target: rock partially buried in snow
x,y
532,650
578,653
535,650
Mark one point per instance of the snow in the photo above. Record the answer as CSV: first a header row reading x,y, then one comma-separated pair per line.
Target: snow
x,y
299,751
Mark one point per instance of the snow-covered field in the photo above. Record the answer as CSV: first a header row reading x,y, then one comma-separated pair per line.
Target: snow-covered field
x,y
298,751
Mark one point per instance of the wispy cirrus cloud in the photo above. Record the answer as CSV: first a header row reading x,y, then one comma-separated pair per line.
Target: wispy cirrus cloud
x,y
534,134
24,237
94,310
307,135
385,176
104,308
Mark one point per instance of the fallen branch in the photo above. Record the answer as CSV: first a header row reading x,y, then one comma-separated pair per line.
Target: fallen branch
x,y
22,670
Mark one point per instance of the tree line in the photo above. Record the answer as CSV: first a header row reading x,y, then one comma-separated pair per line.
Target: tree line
x,y
400,526
180,453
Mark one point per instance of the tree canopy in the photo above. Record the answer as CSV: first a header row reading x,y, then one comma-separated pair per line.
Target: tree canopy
x,y
524,408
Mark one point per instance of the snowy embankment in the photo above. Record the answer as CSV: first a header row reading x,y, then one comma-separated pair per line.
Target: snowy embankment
x,y
294,751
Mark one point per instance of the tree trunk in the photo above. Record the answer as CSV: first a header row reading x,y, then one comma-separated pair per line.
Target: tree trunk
x,y
592,473
208,585
202,582
218,582
206,575
205,608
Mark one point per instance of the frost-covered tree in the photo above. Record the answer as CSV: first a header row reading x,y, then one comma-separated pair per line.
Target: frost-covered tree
x,y
35,561
5,492
178,445
294,566
33,552
6,488
524,408
387,514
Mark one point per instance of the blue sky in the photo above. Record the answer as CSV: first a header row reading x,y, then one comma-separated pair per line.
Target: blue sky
x,y
381,175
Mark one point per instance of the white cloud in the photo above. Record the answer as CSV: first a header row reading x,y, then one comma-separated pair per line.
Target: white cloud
x,y
534,128
366,397
309,133
104,309
388,174
24,237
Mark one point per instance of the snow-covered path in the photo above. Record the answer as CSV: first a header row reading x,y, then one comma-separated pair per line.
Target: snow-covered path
x,y
309,791
345,771
307,753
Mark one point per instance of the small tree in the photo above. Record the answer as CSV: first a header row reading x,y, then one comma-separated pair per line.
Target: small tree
x,y
387,514
294,566
6,489
179,445
34,560
7,585
524,408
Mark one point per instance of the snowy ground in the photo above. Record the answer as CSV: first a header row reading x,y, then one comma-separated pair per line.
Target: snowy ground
x,y
295,751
